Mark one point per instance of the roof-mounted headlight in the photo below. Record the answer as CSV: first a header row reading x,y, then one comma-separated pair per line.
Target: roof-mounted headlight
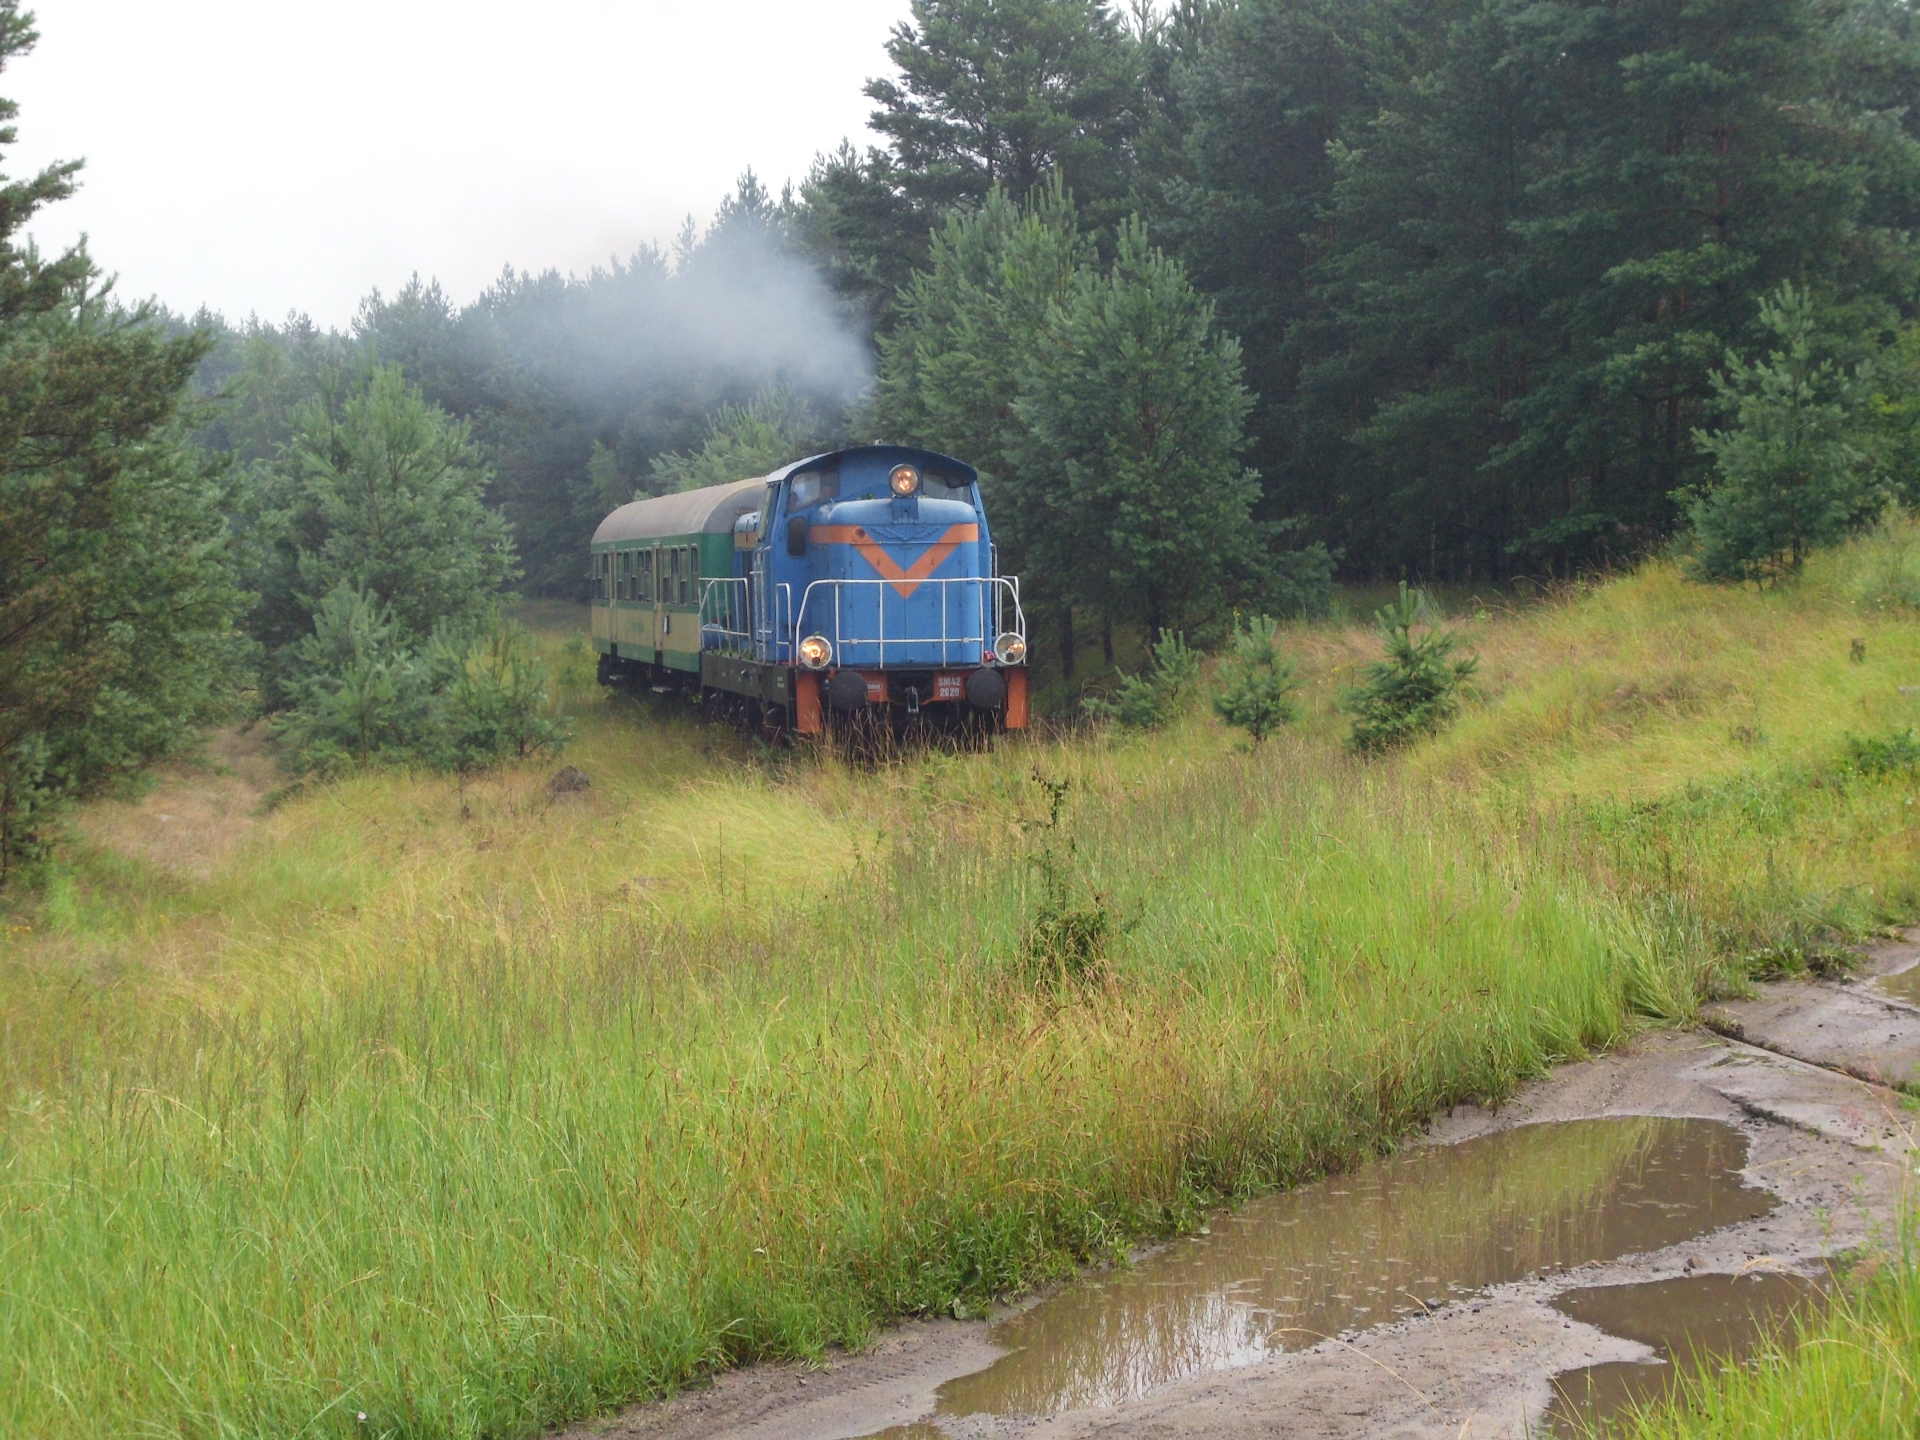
x,y
904,480
816,652
1011,649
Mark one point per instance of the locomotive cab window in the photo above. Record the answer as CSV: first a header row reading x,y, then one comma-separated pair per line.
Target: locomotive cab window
x,y
813,487
936,486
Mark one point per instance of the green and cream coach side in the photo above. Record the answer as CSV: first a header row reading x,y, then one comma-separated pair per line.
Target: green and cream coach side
x,y
649,560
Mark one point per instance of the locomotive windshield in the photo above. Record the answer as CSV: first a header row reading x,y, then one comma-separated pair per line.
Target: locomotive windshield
x,y
813,487
816,486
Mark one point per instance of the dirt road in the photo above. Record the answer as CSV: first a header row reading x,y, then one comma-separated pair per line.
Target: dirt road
x,y
1799,1076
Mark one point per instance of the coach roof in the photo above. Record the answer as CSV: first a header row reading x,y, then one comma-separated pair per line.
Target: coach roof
x,y
708,511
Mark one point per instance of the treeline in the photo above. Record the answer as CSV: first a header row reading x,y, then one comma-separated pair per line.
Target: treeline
x,y
1483,261
1485,258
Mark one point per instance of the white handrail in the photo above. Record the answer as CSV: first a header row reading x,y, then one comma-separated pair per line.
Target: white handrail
x,y
973,644
733,619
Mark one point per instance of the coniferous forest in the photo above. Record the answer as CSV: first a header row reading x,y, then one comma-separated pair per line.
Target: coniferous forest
x,y
1466,275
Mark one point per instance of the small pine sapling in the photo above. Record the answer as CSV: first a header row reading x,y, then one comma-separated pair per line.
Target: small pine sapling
x,y
1257,682
1415,689
1148,701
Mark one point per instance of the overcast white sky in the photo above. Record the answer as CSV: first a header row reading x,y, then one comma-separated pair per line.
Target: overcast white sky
x,y
261,155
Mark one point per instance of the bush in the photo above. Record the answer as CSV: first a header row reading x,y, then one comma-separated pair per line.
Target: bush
x,y
1257,682
363,694
494,708
1415,689
1146,702
1897,753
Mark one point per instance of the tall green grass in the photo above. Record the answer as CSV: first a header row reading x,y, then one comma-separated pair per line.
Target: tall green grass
x,y
1852,1370
516,1169
469,1110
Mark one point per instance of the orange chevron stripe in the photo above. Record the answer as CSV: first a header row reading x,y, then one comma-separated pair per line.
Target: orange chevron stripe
x,y
904,581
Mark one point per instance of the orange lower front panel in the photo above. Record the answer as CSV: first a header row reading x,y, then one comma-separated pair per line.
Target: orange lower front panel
x,y
1016,699
806,702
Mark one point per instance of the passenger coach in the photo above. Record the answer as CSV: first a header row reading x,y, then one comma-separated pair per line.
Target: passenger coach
x,y
863,581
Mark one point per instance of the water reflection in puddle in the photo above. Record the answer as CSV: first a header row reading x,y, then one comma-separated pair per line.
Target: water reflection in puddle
x,y
1394,1237
1721,1319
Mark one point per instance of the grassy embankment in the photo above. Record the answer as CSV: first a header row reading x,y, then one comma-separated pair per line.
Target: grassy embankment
x,y
469,1109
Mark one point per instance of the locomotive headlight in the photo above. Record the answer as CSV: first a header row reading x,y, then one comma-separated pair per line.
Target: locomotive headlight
x,y
904,480
1010,649
816,652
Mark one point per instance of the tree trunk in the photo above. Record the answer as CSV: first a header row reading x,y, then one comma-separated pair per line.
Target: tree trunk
x,y
1066,642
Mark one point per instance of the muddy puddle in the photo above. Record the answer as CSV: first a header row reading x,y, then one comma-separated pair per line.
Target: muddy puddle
x,y
1429,1227
1902,985
1713,1320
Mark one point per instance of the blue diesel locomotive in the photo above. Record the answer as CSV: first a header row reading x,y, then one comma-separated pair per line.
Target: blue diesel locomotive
x,y
861,578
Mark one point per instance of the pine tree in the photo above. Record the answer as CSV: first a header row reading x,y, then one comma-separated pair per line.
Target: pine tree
x,y
1130,408
1704,153
858,224
116,597
1424,298
1008,94
1486,256
949,373
379,493
1788,474
1415,688
1257,682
